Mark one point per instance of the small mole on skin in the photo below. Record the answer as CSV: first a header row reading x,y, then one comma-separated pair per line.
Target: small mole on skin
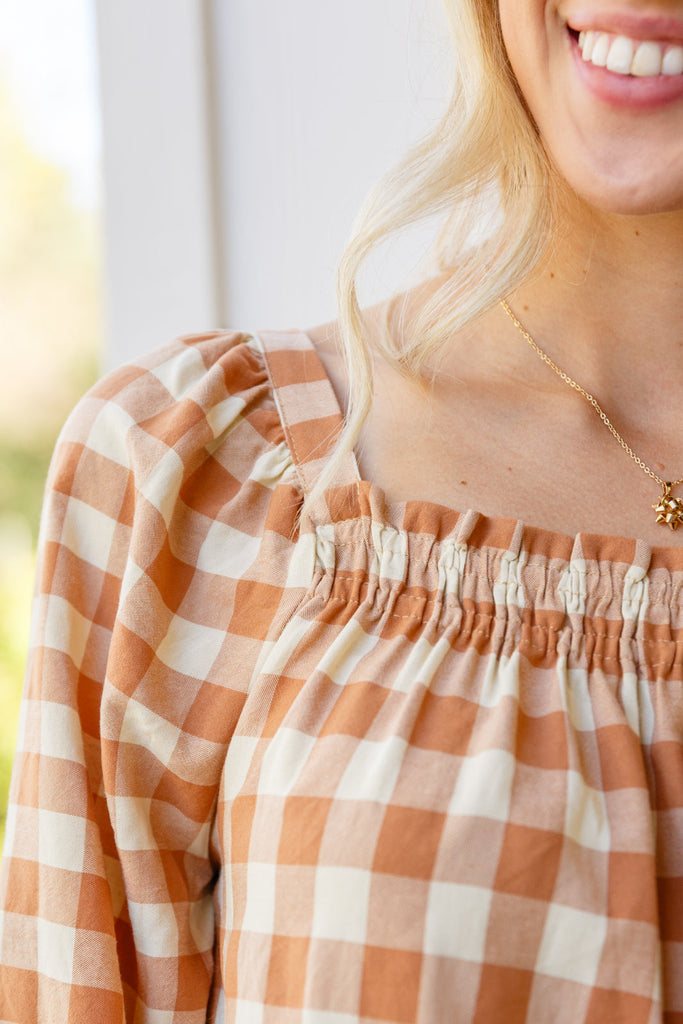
x,y
464,483
637,234
552,276
526,309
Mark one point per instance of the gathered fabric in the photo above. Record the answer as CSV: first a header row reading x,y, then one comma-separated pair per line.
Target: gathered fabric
x,y
385,763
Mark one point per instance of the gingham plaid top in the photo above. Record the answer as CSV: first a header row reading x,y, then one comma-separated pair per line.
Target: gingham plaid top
x,y
395,765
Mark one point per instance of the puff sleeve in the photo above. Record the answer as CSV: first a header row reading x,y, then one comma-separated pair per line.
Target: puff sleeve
x,y
106,892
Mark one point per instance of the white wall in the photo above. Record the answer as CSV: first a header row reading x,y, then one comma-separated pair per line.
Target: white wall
x,y
159,218
240,138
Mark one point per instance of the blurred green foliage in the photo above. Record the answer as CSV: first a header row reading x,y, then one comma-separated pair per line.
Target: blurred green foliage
x,y
16,584
22,479
49,337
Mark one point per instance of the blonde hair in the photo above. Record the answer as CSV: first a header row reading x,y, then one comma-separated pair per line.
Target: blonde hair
x,y
484,149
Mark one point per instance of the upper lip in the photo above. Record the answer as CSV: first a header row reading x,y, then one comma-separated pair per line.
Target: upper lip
x,y
634,24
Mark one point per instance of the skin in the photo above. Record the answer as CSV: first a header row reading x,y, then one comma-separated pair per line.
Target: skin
x,y
608,308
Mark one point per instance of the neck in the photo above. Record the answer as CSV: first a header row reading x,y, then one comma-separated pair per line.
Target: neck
x,y
608,307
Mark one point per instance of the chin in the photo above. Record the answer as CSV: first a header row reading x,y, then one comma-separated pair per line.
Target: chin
x,y
640,193
633,203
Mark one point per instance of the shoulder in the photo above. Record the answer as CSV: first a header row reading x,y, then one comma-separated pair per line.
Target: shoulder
x,y
179,396
327,341
387,325
183,448
197,369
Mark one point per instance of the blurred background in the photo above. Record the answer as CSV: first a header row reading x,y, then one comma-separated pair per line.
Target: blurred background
x,y
51,310
169,167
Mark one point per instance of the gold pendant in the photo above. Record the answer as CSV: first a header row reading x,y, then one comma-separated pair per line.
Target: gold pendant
x,y
669,510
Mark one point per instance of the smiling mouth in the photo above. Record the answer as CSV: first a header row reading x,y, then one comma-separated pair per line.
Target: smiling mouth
x,y
637,58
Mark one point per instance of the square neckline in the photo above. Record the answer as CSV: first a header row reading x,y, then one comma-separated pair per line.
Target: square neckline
x,y
445,521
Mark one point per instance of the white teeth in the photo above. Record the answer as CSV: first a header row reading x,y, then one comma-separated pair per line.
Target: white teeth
x,y
624,56
588,44
672,64
600,50
647,61
620,56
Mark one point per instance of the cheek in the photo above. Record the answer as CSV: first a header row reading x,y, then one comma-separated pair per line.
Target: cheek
x,y
524,38
523,26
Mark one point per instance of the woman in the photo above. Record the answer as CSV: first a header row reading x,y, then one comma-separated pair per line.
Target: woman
x,y
302,747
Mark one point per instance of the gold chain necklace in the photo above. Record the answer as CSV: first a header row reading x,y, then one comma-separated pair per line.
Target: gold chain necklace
x,y
669,509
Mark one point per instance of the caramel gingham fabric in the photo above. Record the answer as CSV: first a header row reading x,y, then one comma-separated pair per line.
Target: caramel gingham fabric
x,y
393,764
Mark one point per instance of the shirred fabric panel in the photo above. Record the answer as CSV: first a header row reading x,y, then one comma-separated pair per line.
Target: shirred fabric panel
x,y
392,764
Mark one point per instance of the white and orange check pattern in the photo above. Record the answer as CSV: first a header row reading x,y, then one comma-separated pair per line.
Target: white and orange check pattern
x,y
399,765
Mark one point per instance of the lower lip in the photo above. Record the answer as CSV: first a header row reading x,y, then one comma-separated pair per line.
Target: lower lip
x,y
627,90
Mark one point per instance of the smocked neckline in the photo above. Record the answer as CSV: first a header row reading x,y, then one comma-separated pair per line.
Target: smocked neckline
x,y
441,525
